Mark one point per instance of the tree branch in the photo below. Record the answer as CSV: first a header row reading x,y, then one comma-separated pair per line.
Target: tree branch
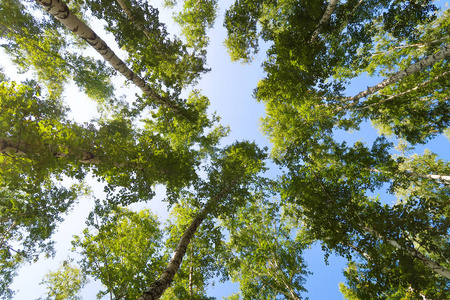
x,y
326,16
434,266
60,11
421,64
405,92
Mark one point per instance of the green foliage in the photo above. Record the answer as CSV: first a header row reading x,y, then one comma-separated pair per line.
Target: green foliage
x,y
415,108
265,252
65,283
195,19
182,133
329,184
32,198
162,61
241,23
327,187
3,77
38,44
122,252
368,281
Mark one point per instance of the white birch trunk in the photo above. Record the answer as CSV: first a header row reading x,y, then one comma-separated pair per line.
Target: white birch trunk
x,y
60,11
414,174
434,266
433,176
421,64
157,289
326,16
406,92
9,146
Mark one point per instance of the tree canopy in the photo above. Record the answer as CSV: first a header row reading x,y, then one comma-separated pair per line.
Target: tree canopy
x,y
233,217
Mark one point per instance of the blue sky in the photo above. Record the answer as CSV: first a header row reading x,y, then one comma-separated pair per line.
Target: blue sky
x,y
229,87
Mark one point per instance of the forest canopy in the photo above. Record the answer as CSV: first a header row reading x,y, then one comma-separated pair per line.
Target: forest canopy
x,y
239,211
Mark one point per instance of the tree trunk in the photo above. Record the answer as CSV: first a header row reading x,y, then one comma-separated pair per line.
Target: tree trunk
x,y
191,274
432,176
157,289
406,92
434,266
9,146
421,64
410,173
60,11
326,16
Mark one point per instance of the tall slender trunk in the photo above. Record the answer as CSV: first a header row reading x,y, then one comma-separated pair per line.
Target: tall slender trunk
x,y
432,176
410,173
421,64
157,288
326,16
10,146
406,92
60,11
191,274
434,266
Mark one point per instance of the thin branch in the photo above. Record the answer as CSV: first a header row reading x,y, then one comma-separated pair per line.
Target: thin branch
x,y
418,45
283,278
132,19
362,253
266,282
5,234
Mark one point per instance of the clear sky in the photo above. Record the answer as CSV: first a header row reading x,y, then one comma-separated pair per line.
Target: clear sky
x,y
229,87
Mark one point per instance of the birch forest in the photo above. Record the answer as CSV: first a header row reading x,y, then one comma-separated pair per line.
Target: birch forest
x,y
356,100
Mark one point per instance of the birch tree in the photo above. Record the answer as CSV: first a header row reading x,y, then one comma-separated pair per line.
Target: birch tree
x,y
121,249
60,11
38,45
162,138
265,252
65,283
329,180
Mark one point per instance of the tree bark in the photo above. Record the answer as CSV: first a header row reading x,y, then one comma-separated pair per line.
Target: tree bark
x,y
406,92
326,16
410,173
60,11
421,64
434,266
432,176
9,146
157,289
191,273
